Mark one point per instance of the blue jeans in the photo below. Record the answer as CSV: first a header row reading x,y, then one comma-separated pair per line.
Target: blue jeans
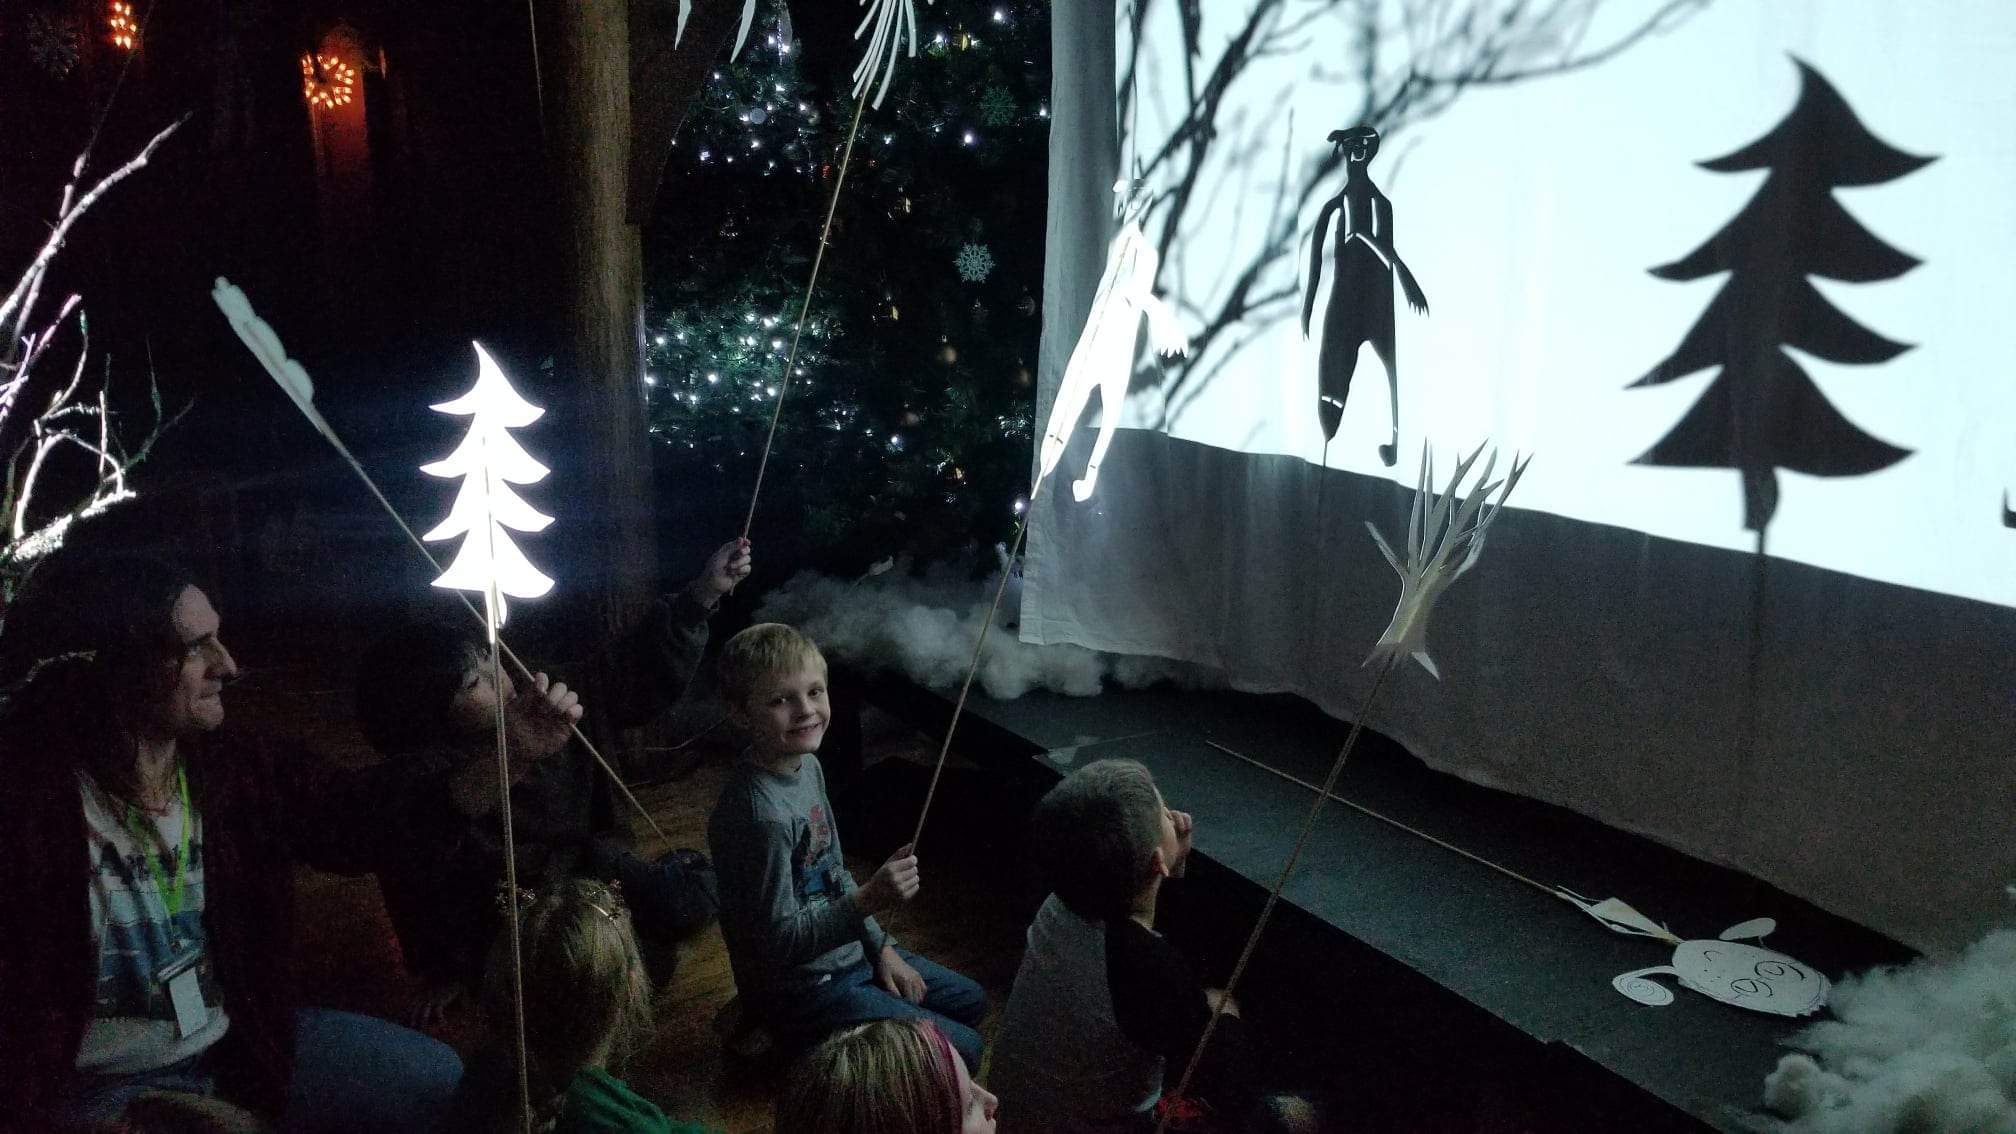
x,y
351,1073
806,1014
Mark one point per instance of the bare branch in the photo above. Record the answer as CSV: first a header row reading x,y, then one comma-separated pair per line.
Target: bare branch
x,y
13,310
73,415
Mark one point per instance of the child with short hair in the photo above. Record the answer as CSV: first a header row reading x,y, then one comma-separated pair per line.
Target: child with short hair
x,y
806,950
888,1077
1105,1012
587,1011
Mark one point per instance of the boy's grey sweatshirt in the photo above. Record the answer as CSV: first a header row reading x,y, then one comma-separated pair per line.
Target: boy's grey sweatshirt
x,y
788,908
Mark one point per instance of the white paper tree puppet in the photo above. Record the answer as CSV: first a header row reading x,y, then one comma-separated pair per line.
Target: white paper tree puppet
x,y
1443,542
1104,356
893,21
489,461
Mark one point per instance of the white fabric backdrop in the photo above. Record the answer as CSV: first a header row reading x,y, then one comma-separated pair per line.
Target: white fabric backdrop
x,y
1603,655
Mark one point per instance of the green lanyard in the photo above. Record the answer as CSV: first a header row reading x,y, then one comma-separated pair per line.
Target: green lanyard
x,y
171,895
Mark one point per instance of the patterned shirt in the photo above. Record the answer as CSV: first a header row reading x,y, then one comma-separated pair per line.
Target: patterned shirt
x,y
134,1028
788,914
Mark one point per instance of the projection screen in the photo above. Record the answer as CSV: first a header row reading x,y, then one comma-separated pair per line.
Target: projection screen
x,y
1735,273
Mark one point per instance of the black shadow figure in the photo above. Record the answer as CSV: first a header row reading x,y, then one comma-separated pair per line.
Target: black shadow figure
x,y
1361,294
1762,412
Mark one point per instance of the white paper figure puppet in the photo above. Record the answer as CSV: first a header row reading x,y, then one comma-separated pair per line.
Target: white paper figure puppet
x,y
1104,356
1361,292
490,461
1747,976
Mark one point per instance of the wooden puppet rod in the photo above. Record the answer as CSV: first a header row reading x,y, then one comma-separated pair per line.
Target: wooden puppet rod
x,y
804,310
1274,895
1392,822
958,707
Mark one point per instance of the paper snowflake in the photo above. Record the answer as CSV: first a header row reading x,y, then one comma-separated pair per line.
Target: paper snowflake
x,y
975,263
997,107
54,42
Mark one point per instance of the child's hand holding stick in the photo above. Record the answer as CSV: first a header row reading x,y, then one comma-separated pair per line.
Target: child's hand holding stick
x,y
539,722
896,882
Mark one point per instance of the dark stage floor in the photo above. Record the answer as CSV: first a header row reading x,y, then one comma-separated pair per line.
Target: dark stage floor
x,y
1398,961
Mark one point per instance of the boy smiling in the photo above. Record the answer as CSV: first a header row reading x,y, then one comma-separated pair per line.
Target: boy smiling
x,y
808,955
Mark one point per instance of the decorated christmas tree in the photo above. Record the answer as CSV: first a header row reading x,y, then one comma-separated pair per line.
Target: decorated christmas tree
x,y
908,417
1762,412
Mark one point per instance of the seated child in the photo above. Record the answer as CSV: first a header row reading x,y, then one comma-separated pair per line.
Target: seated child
x,y
888,1077
807,953
1105,1013
425,698
587,1011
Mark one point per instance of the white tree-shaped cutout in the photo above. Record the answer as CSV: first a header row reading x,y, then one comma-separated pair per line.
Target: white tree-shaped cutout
x,y
489,461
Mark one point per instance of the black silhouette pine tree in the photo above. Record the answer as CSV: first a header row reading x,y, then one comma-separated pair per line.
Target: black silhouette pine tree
x,y
1762,412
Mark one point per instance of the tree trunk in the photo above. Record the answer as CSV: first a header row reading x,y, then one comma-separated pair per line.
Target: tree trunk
x,y
600,330
665,79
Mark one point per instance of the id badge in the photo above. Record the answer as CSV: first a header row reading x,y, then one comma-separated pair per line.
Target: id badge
x,y
185,993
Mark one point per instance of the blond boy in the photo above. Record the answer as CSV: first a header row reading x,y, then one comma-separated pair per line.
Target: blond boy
x,y
808,955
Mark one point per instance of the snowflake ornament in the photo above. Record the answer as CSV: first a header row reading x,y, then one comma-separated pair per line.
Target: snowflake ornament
x,y
998,108
975,263
54,42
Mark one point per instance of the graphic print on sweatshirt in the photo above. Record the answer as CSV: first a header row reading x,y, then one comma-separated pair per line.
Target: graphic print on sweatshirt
x,y
818,872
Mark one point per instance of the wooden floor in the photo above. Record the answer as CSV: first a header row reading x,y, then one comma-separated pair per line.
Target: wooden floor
x,y
349,958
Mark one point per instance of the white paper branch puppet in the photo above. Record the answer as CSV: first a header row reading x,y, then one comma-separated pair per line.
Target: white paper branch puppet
x,y
741,35
893,20
1747,976
1104,356
490,461
1443,542
260,338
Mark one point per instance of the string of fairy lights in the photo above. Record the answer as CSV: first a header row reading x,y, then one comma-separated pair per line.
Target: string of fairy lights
x,y
326,81
124,29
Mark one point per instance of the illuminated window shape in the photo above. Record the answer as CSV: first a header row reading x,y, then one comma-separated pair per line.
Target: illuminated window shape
x,y
327,82
1104,356
125,29
486,510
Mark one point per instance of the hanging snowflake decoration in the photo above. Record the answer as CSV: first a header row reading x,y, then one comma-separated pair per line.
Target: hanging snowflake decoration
x,y
975,263
54,42
997,107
